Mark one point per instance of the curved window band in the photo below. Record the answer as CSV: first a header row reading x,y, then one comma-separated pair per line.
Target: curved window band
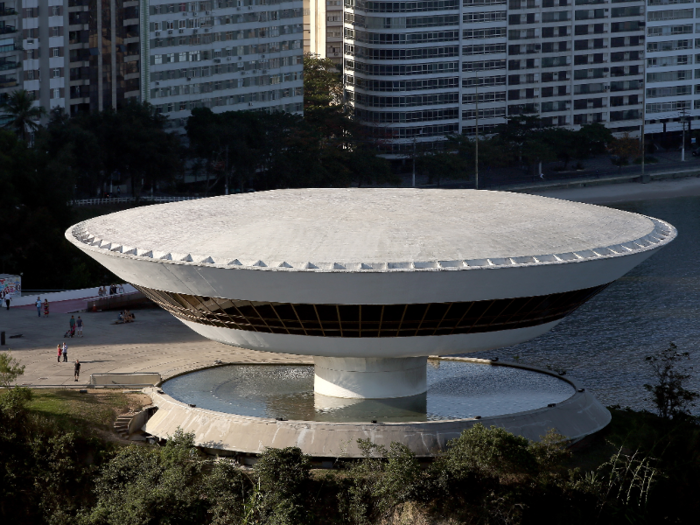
x,y
390,320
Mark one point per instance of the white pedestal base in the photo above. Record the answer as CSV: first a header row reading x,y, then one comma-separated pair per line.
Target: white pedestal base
x,y
370,378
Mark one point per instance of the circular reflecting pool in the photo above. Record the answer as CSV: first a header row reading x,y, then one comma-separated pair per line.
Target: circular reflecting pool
x,y
456,390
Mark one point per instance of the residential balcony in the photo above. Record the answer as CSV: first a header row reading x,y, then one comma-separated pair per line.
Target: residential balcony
x,y
7,82
4,30
6,66
7,11
10,48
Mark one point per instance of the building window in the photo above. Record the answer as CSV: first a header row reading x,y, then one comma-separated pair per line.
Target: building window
x,y
390,320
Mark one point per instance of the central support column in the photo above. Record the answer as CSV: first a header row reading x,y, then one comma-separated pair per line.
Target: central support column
x,y
370,378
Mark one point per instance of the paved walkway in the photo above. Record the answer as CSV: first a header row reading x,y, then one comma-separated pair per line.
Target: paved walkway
x,y
156,342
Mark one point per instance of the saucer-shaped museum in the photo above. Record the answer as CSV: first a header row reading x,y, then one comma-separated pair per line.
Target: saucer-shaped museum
x,y
371,281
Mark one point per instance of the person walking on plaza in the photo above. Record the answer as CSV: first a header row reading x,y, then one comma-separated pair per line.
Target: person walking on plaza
x,y
65,352
72,325
79,326
7,301
60,351
76,369
38,306
46,307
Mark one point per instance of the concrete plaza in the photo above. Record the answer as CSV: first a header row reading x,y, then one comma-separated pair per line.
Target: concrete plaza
x,y
155,342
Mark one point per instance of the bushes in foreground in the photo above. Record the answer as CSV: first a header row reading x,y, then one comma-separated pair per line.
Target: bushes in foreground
x,y
646,473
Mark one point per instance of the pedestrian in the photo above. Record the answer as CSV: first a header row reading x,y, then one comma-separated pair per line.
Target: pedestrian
x,y
60,351
79,326
7,301
72,325
38,306
65,352
46,307
76,369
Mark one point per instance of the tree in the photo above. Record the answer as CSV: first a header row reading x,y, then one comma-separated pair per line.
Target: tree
x,y
24,115
323,83
10,370
456,161
668,394
622,148
595,137
524,140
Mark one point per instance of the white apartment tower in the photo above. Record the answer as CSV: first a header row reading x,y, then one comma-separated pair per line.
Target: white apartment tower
x,y
11,54
323,29
222,54
414,70
334,31
45,61
672,86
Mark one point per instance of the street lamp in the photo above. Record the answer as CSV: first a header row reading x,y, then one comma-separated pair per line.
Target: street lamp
x,y
420,132
683,119
644,118
476,136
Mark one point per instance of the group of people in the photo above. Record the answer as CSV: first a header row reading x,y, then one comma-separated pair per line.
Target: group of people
x,y
42,306
62,351
113,289
75,325
125,316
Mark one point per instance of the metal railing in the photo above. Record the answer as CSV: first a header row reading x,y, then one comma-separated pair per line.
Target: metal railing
x,y
126,200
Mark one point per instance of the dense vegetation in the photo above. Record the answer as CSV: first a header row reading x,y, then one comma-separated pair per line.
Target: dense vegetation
x,y
645,469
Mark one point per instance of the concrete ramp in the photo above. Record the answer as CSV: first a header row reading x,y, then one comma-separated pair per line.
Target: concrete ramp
x,y
117,380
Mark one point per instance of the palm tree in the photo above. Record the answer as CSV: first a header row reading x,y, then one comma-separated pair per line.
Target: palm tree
x,y
24,116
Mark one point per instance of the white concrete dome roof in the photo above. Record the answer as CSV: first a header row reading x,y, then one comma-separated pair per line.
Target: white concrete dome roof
x,y
371,230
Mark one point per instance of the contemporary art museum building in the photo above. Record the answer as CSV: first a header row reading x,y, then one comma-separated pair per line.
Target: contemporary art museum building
x,y
371,281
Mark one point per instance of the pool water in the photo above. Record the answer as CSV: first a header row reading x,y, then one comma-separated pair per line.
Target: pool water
x,y
456,390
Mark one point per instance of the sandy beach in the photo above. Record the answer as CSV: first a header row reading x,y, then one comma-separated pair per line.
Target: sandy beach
x,y
627,192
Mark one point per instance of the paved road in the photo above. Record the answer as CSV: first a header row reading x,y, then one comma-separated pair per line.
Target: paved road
x,y
156,342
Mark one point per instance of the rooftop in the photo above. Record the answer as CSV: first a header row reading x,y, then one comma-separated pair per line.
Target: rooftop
x,y
371,229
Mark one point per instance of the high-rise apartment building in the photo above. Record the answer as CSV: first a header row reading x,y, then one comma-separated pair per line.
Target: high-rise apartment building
x,y
103,53
88,55
323,29
672,39
314,27
71,55
222,54
334,30
415,71
10,48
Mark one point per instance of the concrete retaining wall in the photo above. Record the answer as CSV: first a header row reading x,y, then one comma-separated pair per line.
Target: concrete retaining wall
x,y
118,380
575,418
66,295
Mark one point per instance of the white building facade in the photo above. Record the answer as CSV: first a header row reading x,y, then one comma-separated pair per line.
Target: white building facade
x,y
414,70
222,54
672,74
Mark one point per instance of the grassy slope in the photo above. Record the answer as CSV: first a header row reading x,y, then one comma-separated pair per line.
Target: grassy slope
x,y
94,411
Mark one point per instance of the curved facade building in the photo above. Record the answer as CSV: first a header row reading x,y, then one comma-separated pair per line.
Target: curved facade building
x,y
371,281
402,69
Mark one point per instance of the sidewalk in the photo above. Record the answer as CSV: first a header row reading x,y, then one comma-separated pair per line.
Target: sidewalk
x,y
156,342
